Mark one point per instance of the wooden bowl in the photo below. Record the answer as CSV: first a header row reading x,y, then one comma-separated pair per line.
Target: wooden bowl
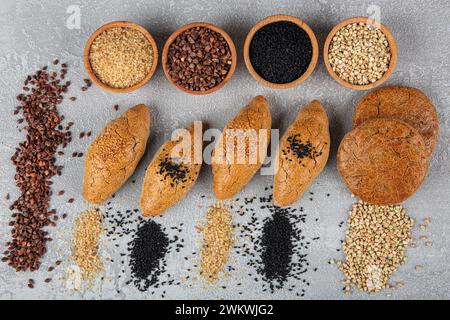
x,y
115,24
277,18
214,28
392,44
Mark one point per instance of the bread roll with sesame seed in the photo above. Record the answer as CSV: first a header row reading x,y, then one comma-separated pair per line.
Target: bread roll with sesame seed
x,y
302,154
231,172
172,173
114,154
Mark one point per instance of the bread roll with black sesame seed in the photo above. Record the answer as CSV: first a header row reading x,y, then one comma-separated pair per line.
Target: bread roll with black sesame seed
x,y
302,154
171,174
114,154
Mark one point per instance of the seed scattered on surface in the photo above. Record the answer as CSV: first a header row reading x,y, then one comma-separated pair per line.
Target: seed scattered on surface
x,y
199,59
418,267
35,164
217,241
123,223
274,245
121,57
116,107
359,54
375,245
87,231
88,82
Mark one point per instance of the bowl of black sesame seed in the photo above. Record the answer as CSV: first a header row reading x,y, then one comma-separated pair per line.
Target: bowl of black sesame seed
x,y
360,54
281,51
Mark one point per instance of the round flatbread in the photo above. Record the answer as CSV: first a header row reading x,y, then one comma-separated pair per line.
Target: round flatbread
x,y
383,161
403,103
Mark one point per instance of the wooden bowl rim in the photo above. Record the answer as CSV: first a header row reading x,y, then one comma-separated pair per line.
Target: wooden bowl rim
x,y
213,27
115,24
276,18
392,44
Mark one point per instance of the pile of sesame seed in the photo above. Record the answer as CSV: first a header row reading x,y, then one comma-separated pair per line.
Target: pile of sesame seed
x,y
275,246
148,252
121,57
87,231
360,53
217,241
375,245
143,259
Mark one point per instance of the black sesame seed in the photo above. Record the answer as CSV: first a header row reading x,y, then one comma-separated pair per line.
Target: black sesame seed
x,y
280,52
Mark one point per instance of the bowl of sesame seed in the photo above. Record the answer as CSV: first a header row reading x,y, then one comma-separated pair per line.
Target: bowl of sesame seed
x,y
281,51
360,54
120,56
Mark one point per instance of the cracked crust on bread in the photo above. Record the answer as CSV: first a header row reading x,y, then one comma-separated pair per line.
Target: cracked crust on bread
x,y
383,161
114,154
403,103
229,174
302,154
168,180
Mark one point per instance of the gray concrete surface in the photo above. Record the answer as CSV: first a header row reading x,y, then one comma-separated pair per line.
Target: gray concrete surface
x,y
34,32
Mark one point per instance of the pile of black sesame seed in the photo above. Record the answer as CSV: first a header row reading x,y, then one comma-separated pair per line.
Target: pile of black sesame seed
x,y
277,247
147,252
145,257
